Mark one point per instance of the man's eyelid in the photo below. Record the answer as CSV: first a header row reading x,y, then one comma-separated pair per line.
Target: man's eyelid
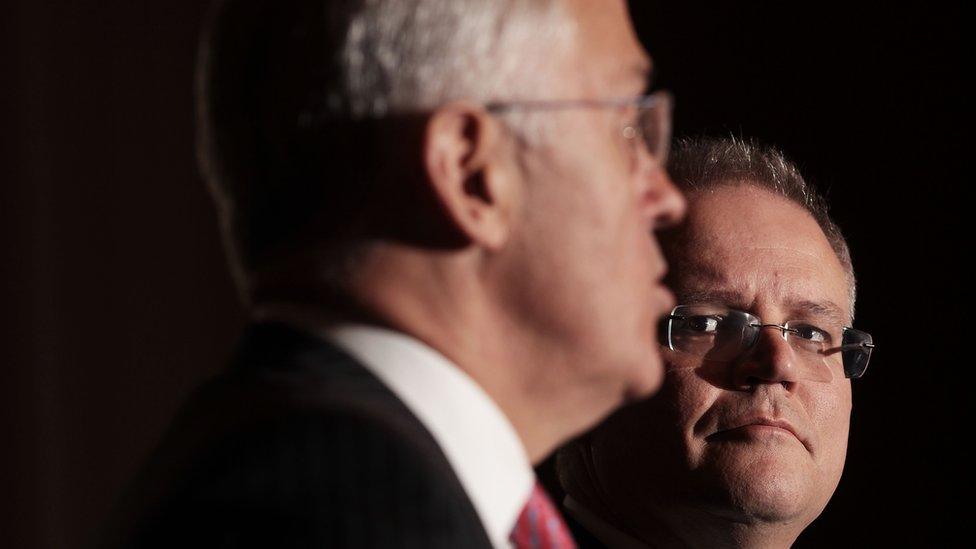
x,y
820,327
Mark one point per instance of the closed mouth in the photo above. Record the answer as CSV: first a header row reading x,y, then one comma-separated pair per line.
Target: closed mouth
x,y
762,421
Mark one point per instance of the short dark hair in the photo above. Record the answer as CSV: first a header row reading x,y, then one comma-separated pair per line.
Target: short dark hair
x,y
699,163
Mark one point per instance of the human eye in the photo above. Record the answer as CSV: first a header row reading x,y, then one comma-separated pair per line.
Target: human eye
x,y
811,333
703,324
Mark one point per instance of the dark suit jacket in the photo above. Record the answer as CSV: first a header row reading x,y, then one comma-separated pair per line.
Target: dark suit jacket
x,y
584,539
296,445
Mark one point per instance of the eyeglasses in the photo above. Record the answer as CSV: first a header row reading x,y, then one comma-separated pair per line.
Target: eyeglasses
x,y
721,334
649,129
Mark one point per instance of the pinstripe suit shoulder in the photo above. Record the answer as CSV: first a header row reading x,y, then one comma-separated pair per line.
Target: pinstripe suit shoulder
x,y
296,445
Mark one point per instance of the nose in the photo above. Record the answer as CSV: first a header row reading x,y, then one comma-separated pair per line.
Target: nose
x,y
662,203
771,360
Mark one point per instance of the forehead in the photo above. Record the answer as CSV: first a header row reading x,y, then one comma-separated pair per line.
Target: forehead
x,y
610,58
751,249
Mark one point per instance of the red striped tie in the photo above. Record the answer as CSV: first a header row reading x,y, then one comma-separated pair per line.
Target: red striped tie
x,y
540,526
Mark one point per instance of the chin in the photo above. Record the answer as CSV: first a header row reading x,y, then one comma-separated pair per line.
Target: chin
x,y
768,489
647,378
757,481
769,502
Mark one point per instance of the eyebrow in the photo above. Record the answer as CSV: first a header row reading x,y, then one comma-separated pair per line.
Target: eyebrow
x,y
725,297
826,309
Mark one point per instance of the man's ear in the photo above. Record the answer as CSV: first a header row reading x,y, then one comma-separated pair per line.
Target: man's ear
x,y
466,166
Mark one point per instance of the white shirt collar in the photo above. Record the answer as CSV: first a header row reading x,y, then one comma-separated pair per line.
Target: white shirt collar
x,y
479,442
608,534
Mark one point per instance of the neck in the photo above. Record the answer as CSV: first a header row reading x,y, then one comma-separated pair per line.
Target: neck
x,y
438,298
441,299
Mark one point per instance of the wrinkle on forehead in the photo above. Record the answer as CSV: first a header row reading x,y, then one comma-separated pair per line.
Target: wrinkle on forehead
x,y
753,248
784,248
796,288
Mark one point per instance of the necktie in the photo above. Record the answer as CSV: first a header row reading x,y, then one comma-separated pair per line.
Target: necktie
x,y
540,526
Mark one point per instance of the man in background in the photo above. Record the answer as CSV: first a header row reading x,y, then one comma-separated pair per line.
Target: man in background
x,y
745,443
440,213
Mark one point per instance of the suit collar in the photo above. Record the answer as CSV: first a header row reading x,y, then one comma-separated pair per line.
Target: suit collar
x,y
480,443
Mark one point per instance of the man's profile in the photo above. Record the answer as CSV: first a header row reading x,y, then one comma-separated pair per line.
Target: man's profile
x,y
746,441
440,213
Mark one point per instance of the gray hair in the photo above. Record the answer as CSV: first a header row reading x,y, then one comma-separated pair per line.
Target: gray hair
x,y
273,72
702,163
409,55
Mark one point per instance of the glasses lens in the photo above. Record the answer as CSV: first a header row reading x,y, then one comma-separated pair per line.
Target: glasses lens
x,y
710,331
720,334
812,344
857,349
655,125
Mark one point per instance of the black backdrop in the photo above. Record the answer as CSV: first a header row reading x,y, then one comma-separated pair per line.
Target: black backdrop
x,y
116,301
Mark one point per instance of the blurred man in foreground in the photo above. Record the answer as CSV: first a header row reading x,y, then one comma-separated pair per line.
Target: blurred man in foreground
x,y
746,441
441,216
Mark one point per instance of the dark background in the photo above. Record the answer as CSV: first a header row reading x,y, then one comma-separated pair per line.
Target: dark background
x,y
116,302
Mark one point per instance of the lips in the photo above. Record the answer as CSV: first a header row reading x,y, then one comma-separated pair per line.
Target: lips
x,y
741,425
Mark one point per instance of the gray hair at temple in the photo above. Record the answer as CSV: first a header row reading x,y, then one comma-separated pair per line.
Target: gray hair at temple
x,y
702,163
292,94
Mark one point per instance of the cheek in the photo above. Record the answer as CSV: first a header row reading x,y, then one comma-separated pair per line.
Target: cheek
x,y
586,226
660,427
567,214
600,179
830,415
691,398
641,446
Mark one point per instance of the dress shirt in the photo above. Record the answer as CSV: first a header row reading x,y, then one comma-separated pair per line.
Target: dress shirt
x,y
477,438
